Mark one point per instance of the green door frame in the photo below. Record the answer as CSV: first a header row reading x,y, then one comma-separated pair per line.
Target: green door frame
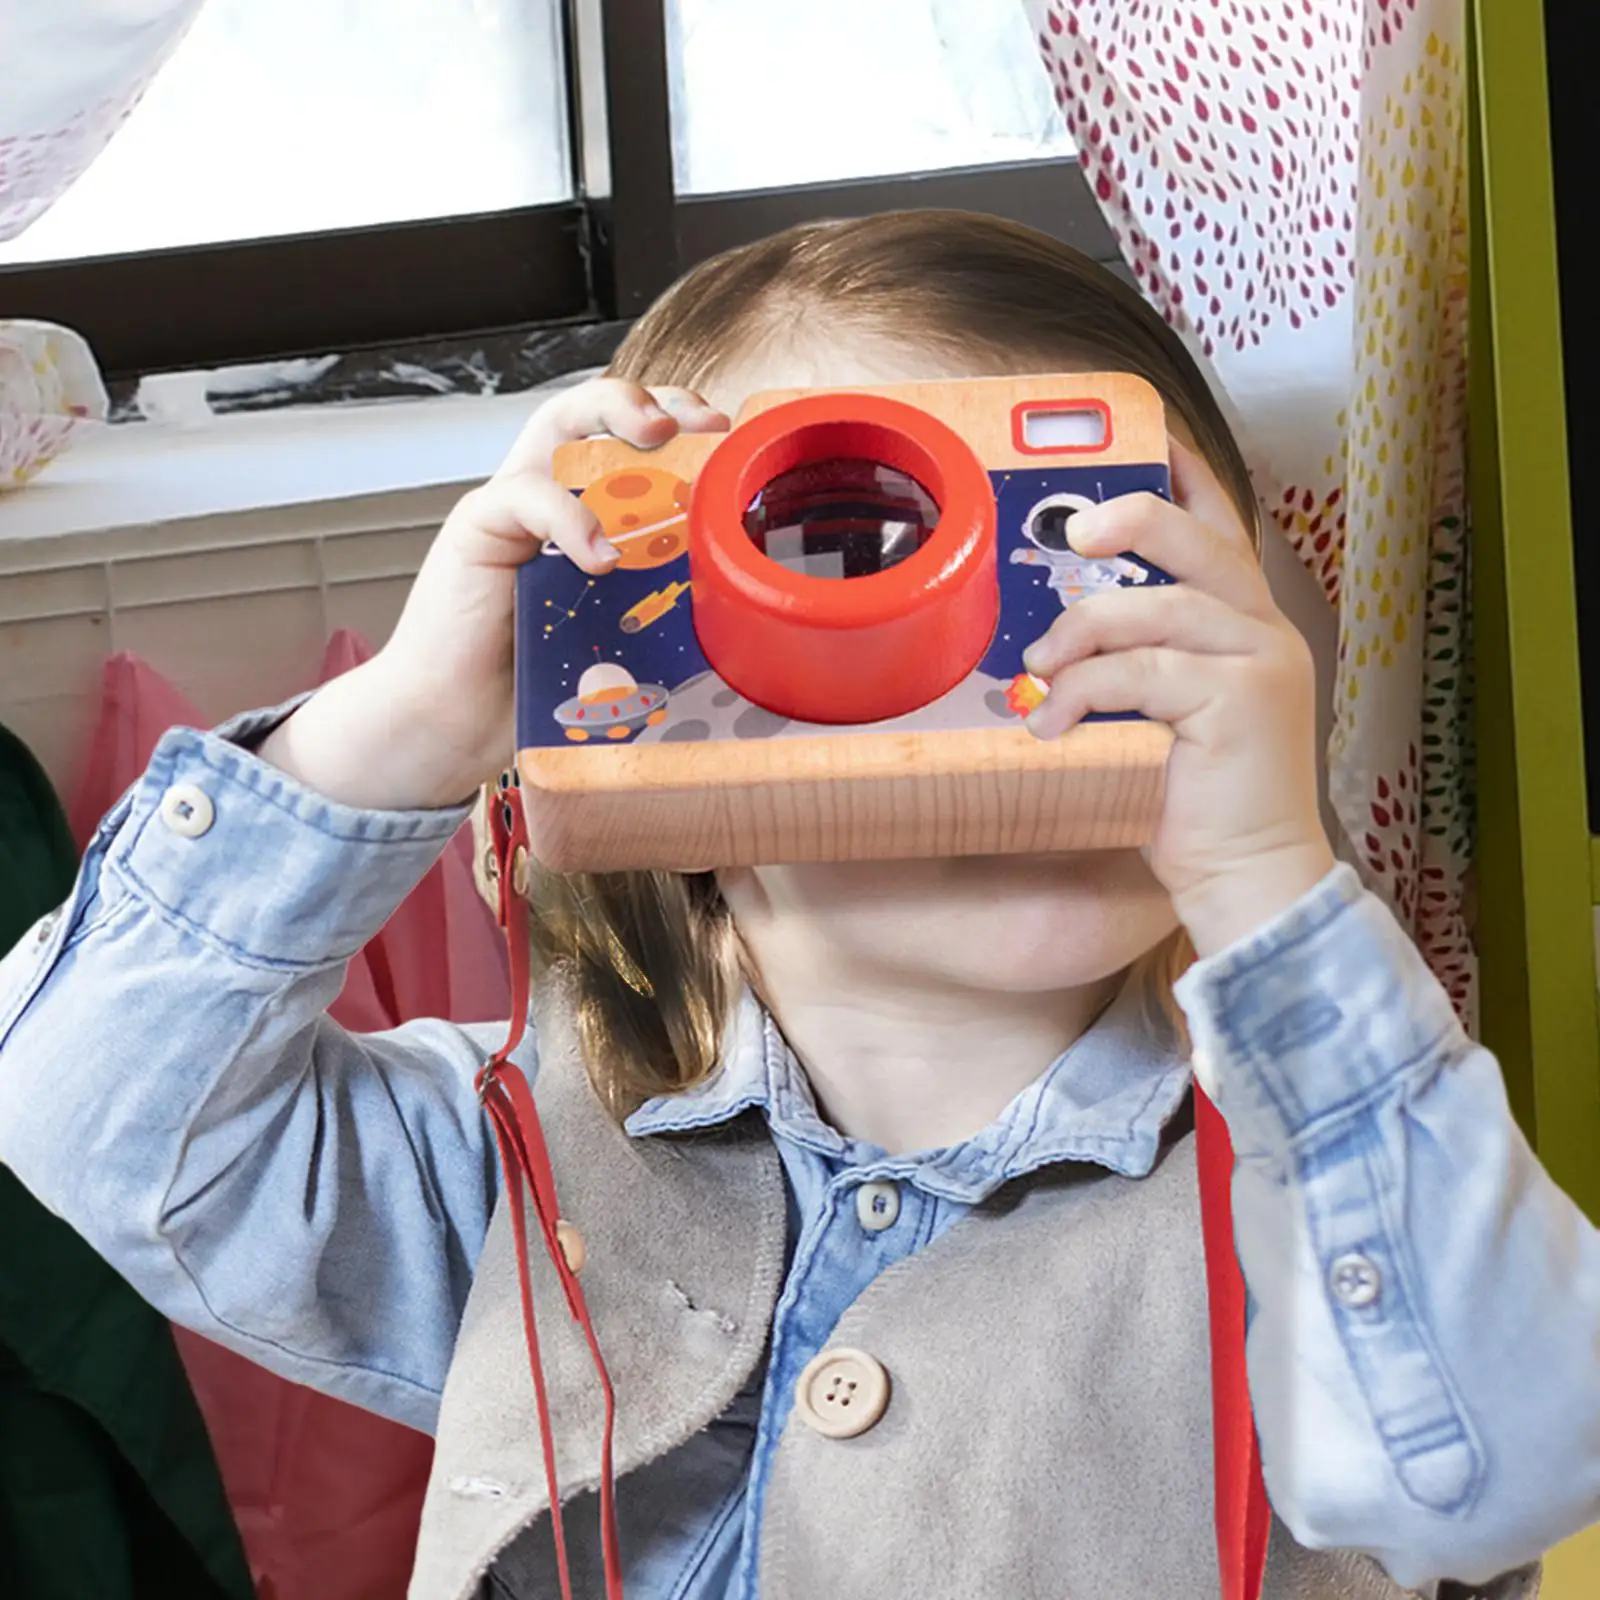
x,y
1536,936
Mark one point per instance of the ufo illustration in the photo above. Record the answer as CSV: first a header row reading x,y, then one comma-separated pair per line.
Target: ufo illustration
x,y
610,704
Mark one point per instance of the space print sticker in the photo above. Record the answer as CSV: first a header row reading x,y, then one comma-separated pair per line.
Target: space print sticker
x,y
613,659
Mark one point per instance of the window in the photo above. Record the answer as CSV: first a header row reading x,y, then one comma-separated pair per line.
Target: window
x,y
768,96
305,116
370,176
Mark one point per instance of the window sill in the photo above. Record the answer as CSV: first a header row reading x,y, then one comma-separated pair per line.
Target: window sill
x,y
140,475
224,554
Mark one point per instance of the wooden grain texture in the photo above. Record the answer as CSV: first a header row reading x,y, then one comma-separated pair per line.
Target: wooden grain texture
x,y
979,409
844,797
576,466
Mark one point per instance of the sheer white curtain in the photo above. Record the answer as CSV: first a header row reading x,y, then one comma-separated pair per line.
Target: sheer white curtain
x,y
1287,179
70,71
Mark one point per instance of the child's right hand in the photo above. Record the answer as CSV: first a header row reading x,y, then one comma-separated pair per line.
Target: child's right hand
x,y
430,717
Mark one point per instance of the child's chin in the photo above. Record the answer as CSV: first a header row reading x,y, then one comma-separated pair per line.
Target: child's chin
x,y
1095,871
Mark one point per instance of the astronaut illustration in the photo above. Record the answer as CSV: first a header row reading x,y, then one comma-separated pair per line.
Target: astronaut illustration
x,y
1071,576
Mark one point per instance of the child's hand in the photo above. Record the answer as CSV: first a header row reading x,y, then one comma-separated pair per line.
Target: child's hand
x,y
1240,837
429,718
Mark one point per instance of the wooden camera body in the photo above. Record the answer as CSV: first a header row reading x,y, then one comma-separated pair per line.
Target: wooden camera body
x,y
811,647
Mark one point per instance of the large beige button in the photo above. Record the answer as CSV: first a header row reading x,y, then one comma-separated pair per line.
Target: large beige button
x,y
187,811
842,1393
573,1248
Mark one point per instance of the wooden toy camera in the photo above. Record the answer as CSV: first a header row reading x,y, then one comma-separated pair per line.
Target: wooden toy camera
x,y
811,648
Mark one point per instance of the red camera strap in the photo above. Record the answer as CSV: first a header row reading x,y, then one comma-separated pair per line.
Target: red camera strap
x,y
525,1162
1242,1515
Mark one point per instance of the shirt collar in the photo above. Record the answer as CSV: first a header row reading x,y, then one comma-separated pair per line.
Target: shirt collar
x,y
1105,1100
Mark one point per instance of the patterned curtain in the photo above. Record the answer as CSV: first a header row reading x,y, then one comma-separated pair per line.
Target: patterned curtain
x,y
1287,180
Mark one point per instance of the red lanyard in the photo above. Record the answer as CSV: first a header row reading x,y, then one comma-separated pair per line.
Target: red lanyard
x,y
525,1161
1242,1515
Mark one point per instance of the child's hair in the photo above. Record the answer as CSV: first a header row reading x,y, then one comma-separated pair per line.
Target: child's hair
x,y
653,956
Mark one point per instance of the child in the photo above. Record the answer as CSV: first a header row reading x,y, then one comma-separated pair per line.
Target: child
x,y
912,1136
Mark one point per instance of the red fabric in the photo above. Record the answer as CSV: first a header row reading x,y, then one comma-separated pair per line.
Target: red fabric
x,y
327,1497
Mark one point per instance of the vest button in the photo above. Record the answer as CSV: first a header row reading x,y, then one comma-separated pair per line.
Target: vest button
x,y
842,1393
575,1251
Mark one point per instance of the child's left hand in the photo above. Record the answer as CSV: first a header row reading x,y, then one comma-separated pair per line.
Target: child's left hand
x,y
1240,837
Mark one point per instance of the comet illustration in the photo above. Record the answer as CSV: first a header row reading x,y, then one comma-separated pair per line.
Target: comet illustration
x,y
653,607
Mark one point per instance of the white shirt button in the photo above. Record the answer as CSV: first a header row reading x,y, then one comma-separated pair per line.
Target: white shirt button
x,y
878,1206
1355,1281
46,926
842,1393
187,811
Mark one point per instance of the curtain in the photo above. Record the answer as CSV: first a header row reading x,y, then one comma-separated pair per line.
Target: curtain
x,y
1287,181
72,71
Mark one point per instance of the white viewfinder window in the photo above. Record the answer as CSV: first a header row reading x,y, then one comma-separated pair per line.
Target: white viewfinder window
x,y
1083,429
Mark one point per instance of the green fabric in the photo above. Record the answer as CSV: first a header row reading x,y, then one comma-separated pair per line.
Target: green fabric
x,y
37,859
108,1486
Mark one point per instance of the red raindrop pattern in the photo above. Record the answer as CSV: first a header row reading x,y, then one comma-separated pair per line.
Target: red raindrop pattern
x,y
1266,164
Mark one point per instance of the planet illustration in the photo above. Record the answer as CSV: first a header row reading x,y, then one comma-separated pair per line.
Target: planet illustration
x,y
644,512
610,704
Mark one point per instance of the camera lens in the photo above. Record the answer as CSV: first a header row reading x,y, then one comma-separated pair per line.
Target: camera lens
x,y
841,518
843,485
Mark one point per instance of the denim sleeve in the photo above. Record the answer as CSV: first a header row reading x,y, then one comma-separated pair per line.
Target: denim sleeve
x,y
171,1086
1424,1352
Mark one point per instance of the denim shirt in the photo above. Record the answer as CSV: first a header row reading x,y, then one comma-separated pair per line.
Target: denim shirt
x,y
1426,1304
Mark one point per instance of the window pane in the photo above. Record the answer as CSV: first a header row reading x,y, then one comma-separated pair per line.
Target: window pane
x,y
769,93
299,116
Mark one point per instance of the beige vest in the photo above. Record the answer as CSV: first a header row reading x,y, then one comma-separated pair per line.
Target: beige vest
x,y
1048,1428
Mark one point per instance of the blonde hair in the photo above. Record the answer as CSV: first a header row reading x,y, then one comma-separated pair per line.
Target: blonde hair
x,y
653,956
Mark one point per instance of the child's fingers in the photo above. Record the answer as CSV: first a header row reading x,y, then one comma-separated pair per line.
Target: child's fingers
x,y
1127,619
1199,491
509,518
628,411
1153,680
602,405
690,411
1179,542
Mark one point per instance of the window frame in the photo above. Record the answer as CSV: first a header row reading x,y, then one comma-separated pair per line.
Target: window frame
x,y
539,288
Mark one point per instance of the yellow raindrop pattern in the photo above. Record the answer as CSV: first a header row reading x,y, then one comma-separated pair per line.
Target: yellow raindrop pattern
x,y
1402,442
1400,756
